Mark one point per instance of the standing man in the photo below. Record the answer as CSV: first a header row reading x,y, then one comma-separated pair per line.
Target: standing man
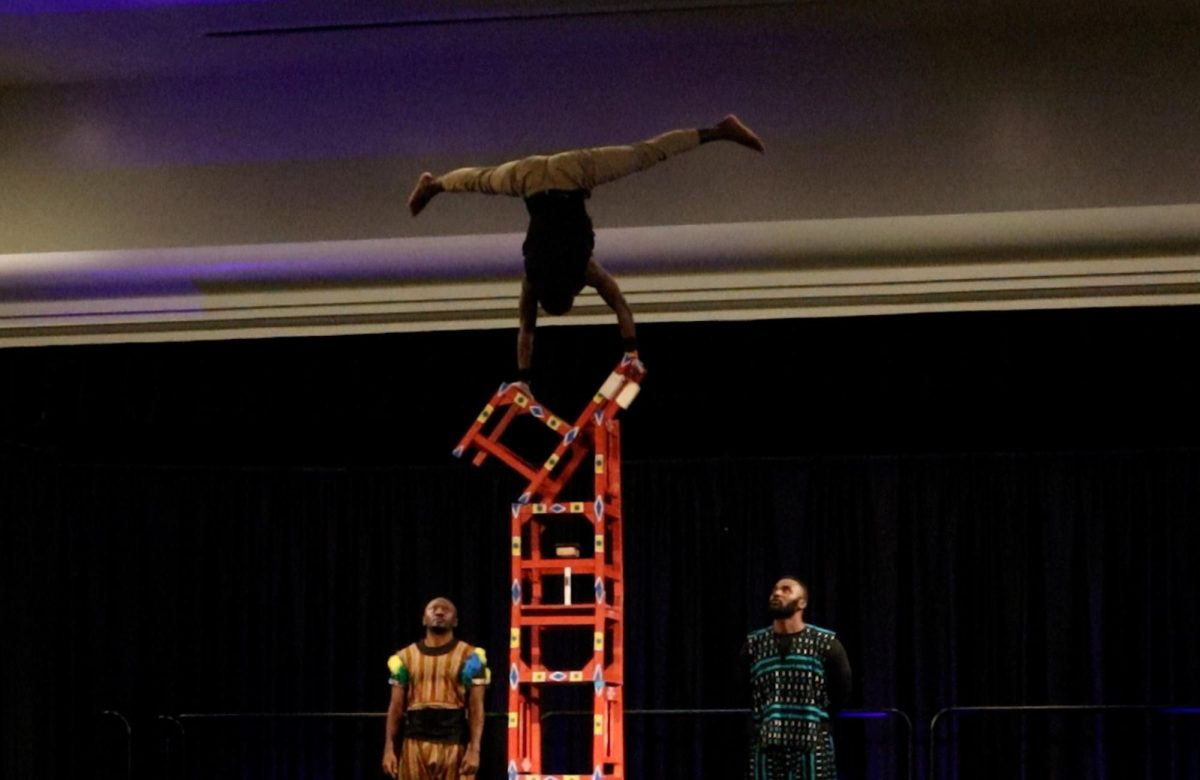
x,y
558,244
798,676
437,691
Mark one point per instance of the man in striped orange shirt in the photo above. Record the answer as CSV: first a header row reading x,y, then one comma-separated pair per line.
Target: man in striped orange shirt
x,y
437,691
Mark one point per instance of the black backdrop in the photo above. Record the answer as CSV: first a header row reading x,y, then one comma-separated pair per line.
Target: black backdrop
x,y
989,508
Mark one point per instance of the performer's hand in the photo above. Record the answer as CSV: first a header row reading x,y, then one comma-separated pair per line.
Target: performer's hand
x,y
637,369
470,762
391,767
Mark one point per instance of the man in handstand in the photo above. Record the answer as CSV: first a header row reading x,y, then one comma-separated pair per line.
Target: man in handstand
x,y
558,244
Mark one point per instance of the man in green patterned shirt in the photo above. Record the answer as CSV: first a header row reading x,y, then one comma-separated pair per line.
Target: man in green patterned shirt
x,y
798,675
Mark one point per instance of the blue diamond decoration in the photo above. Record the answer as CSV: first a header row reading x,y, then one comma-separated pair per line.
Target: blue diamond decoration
x,y
598,681
597,775
599,416
516,592
558,676
599,509
537,411
558,509
514,679
571,434
458,452
524,499
512,770
599,590
516,509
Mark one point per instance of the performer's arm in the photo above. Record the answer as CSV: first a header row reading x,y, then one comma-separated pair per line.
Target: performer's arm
x,y
838,678
528,316
610,291
470,762
394,714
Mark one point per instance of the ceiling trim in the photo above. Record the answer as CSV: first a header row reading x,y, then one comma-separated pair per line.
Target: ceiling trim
x,y
760,270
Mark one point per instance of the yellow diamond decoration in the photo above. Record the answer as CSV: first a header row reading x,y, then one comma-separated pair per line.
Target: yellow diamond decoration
x,y
575,677
521,401
597,399
486,413
554,423
514,637
599,543
598,642
539,677
539,509
599,464
598,725
577,506
512,720
516,545
551,462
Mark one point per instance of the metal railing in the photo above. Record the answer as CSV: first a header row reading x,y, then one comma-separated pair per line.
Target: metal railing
x,y
949,714
127,739
176,741
177,723
890,713
176,744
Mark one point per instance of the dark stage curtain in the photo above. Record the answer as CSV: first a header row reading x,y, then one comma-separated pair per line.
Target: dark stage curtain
x,y
997,579
989,510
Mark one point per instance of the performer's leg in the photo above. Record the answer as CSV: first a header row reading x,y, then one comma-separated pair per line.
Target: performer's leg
x,y
516,178
769,764
586,169
421,761
449,759
510,178
411,761
755,770
802,765
579,169
825,764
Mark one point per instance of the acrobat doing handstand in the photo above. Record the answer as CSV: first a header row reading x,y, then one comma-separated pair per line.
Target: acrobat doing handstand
x,y
559,241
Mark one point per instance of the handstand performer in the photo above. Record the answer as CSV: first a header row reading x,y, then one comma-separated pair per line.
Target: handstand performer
x,y
558,244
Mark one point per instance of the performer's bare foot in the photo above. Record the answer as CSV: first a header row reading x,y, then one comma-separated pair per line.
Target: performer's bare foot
x,y
426,187
731,129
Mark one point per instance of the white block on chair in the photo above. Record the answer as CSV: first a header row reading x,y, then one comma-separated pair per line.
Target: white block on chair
x,y
611,385
628,393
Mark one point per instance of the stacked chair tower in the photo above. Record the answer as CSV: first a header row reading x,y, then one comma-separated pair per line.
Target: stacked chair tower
x,y
542,596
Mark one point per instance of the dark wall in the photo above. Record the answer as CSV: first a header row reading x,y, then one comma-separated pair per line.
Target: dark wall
x,y
929,383
867,109
990,509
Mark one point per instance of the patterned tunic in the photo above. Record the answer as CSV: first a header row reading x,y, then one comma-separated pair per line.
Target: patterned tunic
x,y
437,681
792,677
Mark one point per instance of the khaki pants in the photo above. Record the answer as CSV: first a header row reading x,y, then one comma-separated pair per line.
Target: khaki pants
x,y
579,169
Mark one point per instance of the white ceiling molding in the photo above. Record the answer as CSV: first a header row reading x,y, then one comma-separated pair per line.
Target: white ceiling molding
x,y
760,270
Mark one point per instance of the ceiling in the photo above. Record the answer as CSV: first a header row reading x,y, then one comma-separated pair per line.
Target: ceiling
x,y
57,41
269,145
